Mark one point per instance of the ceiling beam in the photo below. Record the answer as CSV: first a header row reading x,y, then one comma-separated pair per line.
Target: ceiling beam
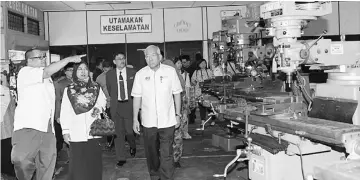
x,y
193,4
67,5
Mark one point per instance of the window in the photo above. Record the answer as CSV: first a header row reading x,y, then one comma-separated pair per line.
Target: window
x,y
15,21
33,26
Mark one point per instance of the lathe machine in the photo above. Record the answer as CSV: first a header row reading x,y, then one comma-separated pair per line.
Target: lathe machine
x,y
290,132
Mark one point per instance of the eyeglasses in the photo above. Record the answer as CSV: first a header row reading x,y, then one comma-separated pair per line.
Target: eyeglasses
x,y
38,57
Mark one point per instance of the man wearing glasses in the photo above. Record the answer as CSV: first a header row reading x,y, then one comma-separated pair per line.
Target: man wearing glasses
x,y
119,82
157,91
34,143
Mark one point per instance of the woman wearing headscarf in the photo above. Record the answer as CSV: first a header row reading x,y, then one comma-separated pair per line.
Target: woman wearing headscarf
x,y
83,100
200,75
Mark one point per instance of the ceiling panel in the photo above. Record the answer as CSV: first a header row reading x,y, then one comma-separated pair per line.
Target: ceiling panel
x,y
247,2
113,5
81,5
213,3
49,5
172,4
134,5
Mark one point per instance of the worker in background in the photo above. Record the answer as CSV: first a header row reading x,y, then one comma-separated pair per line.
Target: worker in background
x,y
101,80
191,68
157,90
182,132
34,143
98,69
7,126
171,63
59,91
203,73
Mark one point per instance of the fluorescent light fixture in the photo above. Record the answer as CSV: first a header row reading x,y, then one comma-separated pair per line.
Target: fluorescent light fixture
x,y
106,2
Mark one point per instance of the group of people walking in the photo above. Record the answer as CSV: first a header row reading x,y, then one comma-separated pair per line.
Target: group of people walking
x,y
161,92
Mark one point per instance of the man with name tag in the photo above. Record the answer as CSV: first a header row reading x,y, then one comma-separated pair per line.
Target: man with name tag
x,y
157,91
119,82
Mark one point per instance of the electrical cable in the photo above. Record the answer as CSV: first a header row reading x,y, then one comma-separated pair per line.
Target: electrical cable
x,y
268,130
301,159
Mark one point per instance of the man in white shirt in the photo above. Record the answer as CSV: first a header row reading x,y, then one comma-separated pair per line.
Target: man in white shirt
x,y
156,88
34,143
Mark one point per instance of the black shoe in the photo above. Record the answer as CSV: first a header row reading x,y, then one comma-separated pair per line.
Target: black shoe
x,y
132,152
177,165
120,163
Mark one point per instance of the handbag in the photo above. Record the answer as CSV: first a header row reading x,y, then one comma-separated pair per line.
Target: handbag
x,y
102,127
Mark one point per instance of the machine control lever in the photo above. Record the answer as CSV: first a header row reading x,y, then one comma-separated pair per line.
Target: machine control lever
x,y
324,32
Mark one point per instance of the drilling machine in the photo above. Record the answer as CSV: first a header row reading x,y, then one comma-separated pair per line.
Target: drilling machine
x,y
293,145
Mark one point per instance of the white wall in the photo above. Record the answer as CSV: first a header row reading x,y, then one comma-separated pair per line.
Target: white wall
x,y
183,24
350,17
329,22
94,36
157,32
67,28
2,34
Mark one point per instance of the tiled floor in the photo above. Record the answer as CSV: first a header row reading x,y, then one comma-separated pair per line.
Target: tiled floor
x,y
200,161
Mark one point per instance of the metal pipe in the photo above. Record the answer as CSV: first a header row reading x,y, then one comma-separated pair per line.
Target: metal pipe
x,y
246,125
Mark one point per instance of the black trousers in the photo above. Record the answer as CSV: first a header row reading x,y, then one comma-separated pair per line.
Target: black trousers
x,y
6,165
123,128
58,136
159,152
85,160
192,116
203,112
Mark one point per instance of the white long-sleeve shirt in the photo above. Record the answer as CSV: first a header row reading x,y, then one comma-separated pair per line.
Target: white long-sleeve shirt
x,y
78,126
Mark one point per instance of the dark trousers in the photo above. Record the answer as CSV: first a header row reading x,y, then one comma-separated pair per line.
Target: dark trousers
x,y
192,116
59,137
159,141
203,112
85,160
33,151
123,128
6,165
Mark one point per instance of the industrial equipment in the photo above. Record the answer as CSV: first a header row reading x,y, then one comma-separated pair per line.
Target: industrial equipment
x,y
290,135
